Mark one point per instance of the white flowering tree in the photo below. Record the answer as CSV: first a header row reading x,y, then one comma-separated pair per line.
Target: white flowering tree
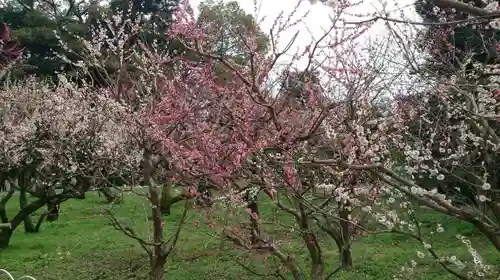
x,y
49,141
53,146
448,142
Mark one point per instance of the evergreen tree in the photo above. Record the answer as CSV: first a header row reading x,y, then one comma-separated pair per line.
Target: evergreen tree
x,y
458,45
35,24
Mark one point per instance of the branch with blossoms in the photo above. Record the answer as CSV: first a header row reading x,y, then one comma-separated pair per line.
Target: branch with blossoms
x,y
460,149
475,14
388,145
390,219
174,122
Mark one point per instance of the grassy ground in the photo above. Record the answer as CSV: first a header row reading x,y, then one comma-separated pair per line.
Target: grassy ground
x,y
82,245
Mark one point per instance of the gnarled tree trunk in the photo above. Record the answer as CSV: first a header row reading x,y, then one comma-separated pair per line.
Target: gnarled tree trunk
x,y
23,201
6,233
312,244
158,256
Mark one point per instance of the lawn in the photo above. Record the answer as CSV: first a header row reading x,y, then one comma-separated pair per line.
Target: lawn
x,y
83,245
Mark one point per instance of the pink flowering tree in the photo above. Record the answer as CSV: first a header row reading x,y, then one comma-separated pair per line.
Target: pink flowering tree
x,y
164,103
262,132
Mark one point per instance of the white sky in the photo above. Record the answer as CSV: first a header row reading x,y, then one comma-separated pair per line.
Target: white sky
x,y
318,20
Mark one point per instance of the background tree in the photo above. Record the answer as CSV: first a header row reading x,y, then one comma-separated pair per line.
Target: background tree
x,y
41,26
230,25
458,45
35,24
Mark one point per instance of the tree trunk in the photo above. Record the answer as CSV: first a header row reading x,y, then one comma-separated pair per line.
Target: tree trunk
x,y
345,240
5,235
254,222
311,242
3,205
158,256
288,262
157,266
317,265
493,237
29,227
53,209
159,259
165,199
3,180
23,201
345,257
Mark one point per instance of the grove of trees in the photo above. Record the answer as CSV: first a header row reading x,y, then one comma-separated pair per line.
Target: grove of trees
x,y
200,113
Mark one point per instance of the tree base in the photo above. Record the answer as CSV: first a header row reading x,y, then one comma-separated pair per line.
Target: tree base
x,y
346,259
5,235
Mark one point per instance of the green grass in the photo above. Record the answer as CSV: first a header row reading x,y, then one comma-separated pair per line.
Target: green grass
x,y
82,245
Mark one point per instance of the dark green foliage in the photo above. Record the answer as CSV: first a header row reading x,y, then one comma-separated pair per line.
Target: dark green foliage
x,y
35,31
154,12
476,41
228,24
36,26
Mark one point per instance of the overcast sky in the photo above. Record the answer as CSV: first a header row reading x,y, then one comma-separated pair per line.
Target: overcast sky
x,y
318,19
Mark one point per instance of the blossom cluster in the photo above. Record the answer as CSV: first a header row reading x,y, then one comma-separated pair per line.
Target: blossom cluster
x,y
67,133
